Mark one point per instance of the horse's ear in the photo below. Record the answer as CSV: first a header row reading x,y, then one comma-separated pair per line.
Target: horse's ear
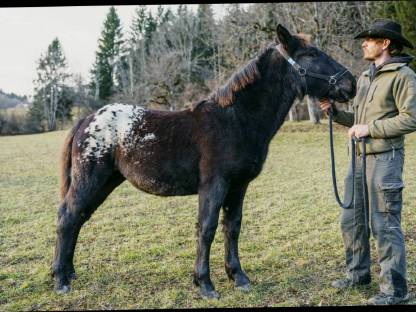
x,y
285,38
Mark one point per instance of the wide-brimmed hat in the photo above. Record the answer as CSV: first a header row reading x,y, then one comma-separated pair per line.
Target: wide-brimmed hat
x,y
384,28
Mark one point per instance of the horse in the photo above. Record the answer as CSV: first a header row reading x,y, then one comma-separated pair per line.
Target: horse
x,y
213,149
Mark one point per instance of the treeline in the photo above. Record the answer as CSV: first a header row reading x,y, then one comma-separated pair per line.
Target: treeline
x,y
8,100
173,58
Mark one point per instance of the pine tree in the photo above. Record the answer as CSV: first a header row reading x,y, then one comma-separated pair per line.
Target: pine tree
x,y
149,28
49,86
138,25
103,84
204,46
185,26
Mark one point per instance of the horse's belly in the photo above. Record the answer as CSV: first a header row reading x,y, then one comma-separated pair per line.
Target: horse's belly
x,y
161,179
159,186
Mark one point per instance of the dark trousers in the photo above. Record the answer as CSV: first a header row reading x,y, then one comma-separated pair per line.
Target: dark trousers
x,y
385,184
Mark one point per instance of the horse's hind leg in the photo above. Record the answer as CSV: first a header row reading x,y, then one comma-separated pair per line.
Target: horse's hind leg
x,y
82,199
115,180
232,208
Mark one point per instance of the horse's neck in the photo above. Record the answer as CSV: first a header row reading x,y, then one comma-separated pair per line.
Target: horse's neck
x,y
263,111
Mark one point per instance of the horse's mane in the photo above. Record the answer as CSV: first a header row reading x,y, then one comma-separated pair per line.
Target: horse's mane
x,y
225,95
248,74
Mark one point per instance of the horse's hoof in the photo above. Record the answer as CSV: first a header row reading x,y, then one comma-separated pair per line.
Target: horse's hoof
x,y
212,294
63,290
244,288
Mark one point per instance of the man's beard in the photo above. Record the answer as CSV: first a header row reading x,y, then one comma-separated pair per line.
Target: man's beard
x,y
369,57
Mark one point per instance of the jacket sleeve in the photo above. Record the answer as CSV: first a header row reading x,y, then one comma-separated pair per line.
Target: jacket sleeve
x,y
404,93
343,118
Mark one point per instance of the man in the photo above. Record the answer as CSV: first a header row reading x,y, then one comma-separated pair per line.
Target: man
x,y
384,111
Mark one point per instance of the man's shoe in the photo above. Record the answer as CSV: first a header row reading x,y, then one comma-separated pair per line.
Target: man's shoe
x,y
383,299
349,283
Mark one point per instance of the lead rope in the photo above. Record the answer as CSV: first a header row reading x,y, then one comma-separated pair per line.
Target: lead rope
x,y
354,141
334,178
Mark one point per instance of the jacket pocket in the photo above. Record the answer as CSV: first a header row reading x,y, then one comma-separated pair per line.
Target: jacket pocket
x,y
390,197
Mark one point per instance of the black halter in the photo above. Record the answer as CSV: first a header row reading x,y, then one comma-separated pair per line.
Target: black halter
x,y
331,79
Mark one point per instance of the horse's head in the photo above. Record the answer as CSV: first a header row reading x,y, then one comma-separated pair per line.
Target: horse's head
x,y
319,75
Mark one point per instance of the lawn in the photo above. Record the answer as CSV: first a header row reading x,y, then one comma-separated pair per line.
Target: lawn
x,y
138,250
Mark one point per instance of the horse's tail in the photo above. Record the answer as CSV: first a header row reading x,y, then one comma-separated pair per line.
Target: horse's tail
x,y
66,159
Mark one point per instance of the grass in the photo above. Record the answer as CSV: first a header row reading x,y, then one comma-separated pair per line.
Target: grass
x,y
138,250
18,111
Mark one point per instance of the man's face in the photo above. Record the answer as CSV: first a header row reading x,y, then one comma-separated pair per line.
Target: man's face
x,y
373,47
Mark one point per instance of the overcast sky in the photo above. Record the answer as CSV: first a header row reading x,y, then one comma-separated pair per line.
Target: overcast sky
x,y
25,34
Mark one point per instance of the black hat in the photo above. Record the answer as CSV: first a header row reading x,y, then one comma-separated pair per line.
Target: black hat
x,y
384,28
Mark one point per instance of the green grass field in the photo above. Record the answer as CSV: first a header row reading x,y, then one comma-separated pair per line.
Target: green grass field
x,y
138,250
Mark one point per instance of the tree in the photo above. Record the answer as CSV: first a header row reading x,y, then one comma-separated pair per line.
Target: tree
x,y
403,12
160,58
66,102
204,46
144,31
103,84
50,85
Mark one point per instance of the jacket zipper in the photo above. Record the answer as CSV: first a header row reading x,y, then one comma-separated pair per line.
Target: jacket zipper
x,y
365,105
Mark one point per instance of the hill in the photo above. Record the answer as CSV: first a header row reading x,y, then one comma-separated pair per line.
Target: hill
x,y
8,100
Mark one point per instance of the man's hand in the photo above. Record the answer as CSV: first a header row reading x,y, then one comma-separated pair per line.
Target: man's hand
x,y
325,105
359,131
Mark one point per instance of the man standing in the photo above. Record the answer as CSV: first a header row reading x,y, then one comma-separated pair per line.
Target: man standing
x,y
384,111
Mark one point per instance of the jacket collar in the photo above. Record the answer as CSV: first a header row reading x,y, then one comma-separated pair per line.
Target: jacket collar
x,y
387,67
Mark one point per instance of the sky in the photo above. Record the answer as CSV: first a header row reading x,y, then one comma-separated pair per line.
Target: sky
x,y
25,34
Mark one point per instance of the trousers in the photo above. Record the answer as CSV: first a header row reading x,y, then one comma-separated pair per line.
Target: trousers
x,y
384,173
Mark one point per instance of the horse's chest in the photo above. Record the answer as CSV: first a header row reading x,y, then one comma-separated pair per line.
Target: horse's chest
x,y
249,169
254,168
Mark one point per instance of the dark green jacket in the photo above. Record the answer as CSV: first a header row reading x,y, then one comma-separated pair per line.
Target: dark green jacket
x,y
386,103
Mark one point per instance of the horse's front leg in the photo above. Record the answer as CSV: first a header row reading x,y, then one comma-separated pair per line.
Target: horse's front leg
x,y
233,207
211,197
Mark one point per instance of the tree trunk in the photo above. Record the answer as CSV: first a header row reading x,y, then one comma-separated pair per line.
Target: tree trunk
x,y
97,87
53,108
294,114
291,114
131,74
313,115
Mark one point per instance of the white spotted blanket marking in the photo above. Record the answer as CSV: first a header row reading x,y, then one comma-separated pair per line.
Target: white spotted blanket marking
x,y
112,126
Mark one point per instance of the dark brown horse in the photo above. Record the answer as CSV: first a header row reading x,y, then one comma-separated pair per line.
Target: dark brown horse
x,y
214,149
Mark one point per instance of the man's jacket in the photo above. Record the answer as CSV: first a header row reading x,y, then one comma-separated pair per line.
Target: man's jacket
x,y
386,102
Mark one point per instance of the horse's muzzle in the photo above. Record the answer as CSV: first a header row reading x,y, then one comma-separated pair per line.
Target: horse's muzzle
x,y
344,90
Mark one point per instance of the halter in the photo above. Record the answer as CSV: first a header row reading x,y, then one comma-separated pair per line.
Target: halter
x,y
331,79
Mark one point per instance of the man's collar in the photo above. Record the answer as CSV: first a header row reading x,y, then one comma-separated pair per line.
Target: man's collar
x,y
387,67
